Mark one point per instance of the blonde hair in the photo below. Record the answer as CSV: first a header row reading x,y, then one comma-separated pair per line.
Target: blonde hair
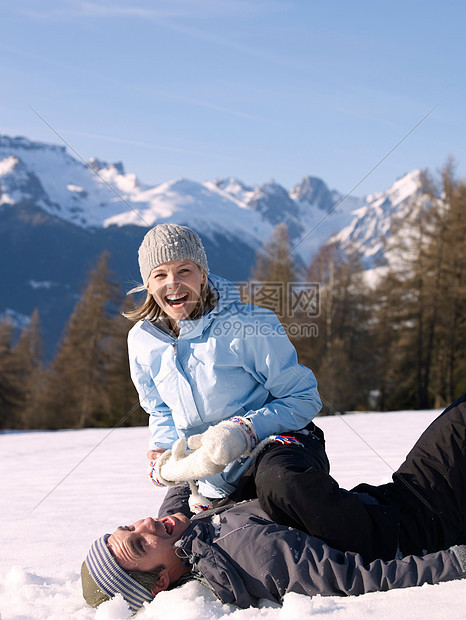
x,y
151,311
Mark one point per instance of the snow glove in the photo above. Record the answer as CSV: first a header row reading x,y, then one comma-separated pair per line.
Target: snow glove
x,y
206,454
226,441
180,465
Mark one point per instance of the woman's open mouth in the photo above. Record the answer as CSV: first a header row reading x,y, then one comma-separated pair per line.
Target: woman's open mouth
x,y
176,299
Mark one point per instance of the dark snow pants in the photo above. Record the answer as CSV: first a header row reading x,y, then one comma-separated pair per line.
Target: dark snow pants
x,y
295,488
430,486
421,510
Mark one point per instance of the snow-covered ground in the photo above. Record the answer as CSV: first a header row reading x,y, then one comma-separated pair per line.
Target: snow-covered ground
x,y
61,490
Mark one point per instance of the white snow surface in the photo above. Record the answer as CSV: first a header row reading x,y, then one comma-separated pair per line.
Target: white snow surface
x,y
61,490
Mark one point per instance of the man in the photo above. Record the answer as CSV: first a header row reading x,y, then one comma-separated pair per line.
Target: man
x,y
244,555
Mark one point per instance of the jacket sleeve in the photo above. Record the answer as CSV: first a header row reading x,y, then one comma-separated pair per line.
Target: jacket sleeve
x,y
271,359
311,567
161,424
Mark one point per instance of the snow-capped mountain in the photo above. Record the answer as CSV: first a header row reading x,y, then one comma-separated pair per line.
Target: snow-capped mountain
x,y
375,222
95,194
82,194
58,214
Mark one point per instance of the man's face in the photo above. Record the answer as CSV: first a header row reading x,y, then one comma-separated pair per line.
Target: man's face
x,y
148,543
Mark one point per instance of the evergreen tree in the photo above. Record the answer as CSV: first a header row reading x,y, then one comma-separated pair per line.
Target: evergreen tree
x,y
422,299
11,396
449,341
407,309
273,274
341,355
336,379
124,399
75,391
27,361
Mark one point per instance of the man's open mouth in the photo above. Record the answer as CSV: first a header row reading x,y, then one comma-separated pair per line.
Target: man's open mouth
x,y
169,525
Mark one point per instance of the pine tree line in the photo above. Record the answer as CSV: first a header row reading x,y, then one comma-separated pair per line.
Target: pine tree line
x,y
398,344
87,383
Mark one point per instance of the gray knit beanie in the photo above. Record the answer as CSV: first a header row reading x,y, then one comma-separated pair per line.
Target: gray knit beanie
x,y
102,577
167,242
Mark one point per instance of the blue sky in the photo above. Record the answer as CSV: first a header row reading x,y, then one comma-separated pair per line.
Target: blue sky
x,y
256,89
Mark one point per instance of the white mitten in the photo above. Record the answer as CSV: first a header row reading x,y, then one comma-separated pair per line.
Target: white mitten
x,y
226,441
209,453
176,465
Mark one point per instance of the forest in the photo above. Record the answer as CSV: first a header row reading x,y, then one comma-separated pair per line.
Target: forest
x,y
394,341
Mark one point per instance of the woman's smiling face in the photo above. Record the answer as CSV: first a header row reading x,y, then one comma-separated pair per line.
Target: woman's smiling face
x,y
176,287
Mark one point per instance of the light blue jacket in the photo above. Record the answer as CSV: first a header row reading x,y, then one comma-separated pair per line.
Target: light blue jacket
x,y
235,360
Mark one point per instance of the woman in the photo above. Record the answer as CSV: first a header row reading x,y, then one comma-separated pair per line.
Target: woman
x,y
200,359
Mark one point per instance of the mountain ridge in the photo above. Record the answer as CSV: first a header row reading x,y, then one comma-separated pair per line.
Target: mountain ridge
x,y
57,215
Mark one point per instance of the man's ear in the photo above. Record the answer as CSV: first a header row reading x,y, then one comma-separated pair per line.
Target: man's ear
x,y
162,582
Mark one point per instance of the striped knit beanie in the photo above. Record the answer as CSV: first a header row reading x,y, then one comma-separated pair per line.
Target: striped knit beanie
x,y
167,242
102,577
